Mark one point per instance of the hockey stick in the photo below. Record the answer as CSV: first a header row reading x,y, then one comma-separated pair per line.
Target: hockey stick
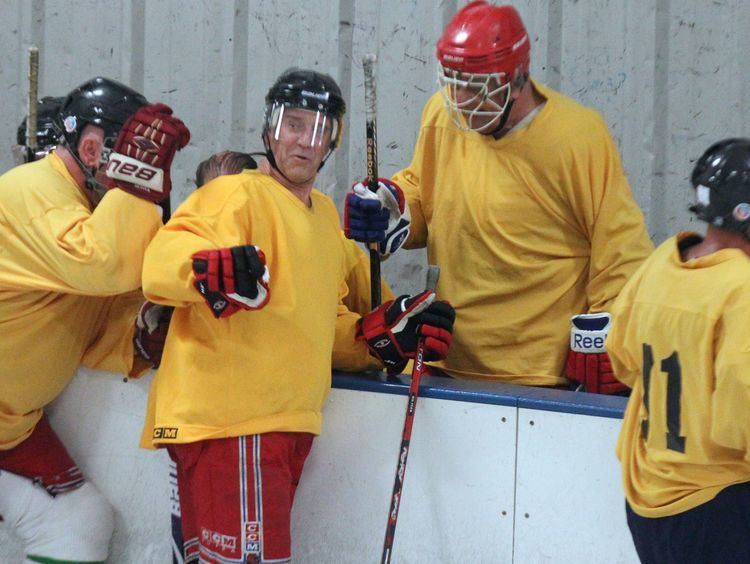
x,y
31,113
433,273
371,128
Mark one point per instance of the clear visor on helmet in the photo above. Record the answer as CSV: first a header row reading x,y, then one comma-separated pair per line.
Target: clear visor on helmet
x,y
476,101
310,127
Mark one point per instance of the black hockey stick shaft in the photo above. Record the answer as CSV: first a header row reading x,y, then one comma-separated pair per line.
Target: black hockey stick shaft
x,y
371,129
433,272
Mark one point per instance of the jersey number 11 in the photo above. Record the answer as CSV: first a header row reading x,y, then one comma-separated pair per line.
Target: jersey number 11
x,y
671,367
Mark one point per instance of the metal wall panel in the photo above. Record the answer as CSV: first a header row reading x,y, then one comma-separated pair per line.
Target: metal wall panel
x,y
669,77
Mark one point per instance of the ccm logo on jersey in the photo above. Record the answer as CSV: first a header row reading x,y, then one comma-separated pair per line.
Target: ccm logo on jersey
x,y
165,433
122,167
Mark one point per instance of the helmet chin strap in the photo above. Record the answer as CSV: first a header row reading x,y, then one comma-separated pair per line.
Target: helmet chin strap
x,y
503,120
521,82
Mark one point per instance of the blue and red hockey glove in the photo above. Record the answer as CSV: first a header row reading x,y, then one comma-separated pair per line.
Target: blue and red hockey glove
x,y
232,279
380,217
393,330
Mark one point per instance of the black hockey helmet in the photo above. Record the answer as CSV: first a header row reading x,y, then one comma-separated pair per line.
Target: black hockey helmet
x,y
721,178
100,101
307,90
46,137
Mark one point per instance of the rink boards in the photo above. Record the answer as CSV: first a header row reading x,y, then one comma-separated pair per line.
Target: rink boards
x,y
496,473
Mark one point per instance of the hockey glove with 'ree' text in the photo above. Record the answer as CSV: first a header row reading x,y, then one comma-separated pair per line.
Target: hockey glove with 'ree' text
x,y
392,331
377,217
142,156
232,279
151,326
588,363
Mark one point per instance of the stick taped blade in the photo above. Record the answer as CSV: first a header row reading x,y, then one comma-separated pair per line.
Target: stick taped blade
x,y
433,273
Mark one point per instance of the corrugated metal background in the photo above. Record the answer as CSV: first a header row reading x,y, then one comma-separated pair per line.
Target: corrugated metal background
x,y
669,77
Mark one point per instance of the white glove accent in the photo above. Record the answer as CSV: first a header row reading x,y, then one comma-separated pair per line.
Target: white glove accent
x,y
148,317
588,332
398,221
128,169
416,311
260,299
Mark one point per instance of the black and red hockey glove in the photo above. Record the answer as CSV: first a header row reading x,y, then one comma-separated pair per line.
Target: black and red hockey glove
x,y
588,364
393,330
232,279
141,160
151,326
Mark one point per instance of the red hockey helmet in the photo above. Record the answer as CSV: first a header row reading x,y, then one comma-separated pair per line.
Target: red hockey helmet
x,y
485,51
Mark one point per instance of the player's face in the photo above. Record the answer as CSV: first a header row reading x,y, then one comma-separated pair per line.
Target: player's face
x,y
300,142
477,101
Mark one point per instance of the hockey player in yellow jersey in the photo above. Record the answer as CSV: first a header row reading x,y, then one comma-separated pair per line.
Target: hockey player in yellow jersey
x,y
356,262
254,265
73,240
680,340
519,196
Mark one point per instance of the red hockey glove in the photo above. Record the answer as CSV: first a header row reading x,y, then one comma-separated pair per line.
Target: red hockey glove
x,y
393,329
151,327
142,157
588,363
232,279
381,216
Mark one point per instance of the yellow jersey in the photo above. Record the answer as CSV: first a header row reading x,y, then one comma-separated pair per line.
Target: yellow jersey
x,y
69,280
680,339
255,371
528,230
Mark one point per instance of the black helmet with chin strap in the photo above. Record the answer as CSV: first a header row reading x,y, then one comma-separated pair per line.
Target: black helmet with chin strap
x,y
102,102
721,178
307,90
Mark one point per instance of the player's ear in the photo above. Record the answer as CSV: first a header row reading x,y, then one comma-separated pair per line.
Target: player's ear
x,y
90,146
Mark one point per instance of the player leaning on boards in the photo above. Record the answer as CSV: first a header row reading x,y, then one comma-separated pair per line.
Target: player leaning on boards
x,y
69,275
680,339
253,264
519,196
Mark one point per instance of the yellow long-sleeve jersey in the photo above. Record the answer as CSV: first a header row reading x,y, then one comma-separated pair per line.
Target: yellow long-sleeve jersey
x,y
680,339
62,267
255,371
527,229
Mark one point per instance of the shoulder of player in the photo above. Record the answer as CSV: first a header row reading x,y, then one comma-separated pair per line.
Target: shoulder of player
x,y
434,113
225,193
34,188
571,115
